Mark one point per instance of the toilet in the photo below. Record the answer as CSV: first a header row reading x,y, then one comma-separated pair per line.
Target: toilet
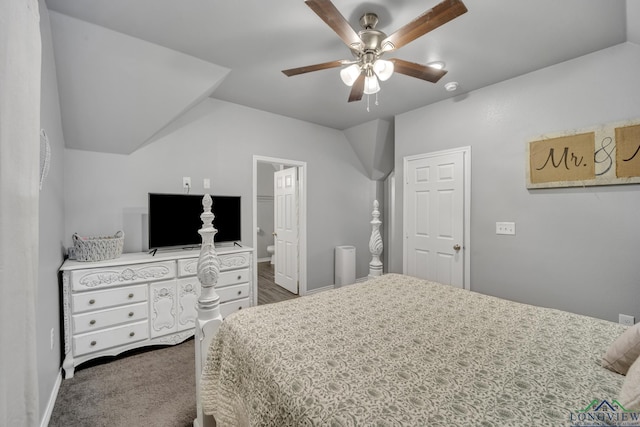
x,y
271,249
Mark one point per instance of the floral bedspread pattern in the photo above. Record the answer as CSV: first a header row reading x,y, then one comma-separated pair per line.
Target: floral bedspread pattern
x,y
399,351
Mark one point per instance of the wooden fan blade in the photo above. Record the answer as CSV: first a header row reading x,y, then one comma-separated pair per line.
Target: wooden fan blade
x,y
357,89
310,68
430,20
419,71
333,18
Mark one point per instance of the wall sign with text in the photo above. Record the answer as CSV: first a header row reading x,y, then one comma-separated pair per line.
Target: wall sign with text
x,y
607,155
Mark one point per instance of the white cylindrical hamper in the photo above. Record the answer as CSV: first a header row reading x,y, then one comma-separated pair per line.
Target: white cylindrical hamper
x,y
345,265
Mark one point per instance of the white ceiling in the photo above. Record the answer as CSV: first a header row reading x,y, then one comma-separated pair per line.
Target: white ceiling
x,y
256,39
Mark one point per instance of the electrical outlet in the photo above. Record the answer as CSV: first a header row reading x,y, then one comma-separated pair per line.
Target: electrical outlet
x,y
206,183
186,182
506,228
626,320
52,335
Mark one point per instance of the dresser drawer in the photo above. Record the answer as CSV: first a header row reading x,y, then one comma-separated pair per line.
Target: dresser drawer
x,y
237,260
229,293
109,298
112,337
96,278
231,307
100,319
234,277
187,267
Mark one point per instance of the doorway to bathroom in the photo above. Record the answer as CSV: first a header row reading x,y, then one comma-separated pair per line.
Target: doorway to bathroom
x,y
279,223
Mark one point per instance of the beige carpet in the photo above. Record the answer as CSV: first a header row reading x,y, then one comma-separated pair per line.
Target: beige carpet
x,y
148,388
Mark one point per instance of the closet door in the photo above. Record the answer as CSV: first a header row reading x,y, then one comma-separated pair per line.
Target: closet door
x,y
434,217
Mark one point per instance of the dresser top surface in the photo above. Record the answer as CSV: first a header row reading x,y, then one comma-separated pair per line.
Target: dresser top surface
x,y
143,257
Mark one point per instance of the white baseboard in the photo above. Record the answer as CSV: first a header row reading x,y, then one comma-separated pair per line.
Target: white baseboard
x,y
264,259
46,417
359,280
318,290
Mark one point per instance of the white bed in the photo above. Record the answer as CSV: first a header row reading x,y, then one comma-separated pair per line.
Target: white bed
x,y
396,351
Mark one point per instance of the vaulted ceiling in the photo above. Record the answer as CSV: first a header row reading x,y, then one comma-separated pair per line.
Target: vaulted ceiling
x,y
129,69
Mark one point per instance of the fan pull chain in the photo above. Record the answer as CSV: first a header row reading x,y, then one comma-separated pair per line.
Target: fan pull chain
x,y
368,104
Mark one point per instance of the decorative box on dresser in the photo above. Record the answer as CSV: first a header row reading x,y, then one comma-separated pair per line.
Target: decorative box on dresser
x,y
140,300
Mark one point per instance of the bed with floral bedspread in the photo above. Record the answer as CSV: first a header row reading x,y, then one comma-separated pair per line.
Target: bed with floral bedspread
x,y
400,351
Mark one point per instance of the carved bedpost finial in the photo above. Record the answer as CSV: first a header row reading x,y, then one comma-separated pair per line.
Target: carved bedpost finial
x,y
208,262
375,242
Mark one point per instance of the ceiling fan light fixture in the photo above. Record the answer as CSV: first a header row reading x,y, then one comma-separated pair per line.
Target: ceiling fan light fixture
x,y
350,74
369,44
438,65
383,69
371,85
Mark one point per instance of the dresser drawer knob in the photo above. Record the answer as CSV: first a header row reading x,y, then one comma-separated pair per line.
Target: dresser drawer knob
x,y
239,277
131,314
92,301
130,295
239,292
131,334
93,343
239,308
92,322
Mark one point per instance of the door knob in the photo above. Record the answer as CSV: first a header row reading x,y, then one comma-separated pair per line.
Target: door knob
x,y
274,234
456,247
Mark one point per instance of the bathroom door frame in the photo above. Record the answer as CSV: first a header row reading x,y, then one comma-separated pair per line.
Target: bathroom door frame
x,y
302,220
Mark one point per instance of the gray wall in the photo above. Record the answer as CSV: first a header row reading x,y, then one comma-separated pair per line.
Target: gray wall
x,y
576,249
108,192
51,224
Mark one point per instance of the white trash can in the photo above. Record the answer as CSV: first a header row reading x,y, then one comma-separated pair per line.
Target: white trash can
x,y
345,265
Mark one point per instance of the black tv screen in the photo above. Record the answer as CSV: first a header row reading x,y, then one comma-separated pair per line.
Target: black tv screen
x,y
174,219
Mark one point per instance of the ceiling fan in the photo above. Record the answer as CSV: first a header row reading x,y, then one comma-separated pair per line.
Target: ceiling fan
x,y
369,45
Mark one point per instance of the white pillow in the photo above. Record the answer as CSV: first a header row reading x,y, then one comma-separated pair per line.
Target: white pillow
x,y
623,351
630,395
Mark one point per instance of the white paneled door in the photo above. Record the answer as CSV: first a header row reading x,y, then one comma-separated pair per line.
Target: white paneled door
x,y
434,217
286,228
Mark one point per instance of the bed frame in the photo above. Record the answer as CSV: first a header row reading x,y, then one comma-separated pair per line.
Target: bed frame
x,y
208,307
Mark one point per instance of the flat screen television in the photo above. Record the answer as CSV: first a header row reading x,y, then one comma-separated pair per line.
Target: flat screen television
x,y
174,219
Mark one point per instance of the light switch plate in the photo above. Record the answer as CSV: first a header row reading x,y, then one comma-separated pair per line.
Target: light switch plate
x,y
506,228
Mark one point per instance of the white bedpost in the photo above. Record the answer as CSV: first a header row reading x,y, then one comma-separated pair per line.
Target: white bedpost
x,y
375,243
209,317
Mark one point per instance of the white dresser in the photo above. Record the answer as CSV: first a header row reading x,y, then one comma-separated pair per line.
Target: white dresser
x,y
140,300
